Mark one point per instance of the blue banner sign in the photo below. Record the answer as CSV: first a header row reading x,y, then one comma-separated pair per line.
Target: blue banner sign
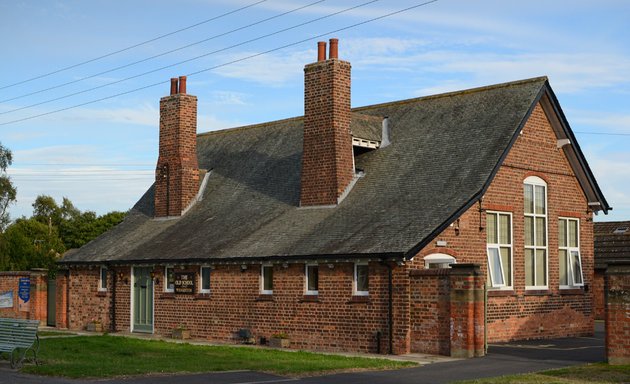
x,y
24,289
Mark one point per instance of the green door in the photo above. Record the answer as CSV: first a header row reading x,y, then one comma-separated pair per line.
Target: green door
x,y
142,300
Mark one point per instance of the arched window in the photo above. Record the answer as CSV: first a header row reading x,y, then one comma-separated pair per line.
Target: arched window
x,y
439,260
536,261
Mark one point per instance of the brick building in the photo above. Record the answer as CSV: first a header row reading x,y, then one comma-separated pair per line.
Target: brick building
x,y
375,229
612,245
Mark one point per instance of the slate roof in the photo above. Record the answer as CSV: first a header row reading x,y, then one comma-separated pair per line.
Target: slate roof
x,y
444,151
611,246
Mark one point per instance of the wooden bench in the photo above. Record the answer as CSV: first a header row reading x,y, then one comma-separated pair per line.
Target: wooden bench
x,y
18,337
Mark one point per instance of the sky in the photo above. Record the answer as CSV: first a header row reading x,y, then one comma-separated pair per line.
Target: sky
x,y
80,81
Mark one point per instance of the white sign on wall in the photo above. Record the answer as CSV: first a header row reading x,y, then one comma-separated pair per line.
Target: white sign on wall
x,y
6,299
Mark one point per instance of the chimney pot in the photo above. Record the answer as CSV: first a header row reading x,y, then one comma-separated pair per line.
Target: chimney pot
x,y
173,85
321,50
182,84
334,49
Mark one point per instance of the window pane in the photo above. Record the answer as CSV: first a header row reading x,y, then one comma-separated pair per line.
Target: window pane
x,y
205,278
312,277
103,278
529,231
362,278
576,263
529,198
562,233
496,272
506,261
541,267
491,228
541,233
529,267
540,200
268,278
573,233
170,279
504,229
564,276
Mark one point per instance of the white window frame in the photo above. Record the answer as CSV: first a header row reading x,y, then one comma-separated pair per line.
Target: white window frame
x,y
570,252
500,245
201,268
264,291
306,279
166,288
102,283
438,258
537,181
355,280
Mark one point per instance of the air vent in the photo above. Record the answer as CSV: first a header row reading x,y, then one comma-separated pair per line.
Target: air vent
x,y
620,230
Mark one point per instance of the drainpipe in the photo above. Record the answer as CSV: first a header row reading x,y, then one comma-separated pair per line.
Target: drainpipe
x,y
485,319
390,309
112,308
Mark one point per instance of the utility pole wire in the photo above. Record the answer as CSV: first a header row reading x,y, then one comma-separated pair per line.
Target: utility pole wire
x,y
158,55
133,46
187,60
224,64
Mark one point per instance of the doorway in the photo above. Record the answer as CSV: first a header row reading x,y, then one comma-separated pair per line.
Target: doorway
x,y
142,300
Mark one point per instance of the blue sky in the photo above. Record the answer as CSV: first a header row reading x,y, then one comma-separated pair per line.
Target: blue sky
x,y
102,155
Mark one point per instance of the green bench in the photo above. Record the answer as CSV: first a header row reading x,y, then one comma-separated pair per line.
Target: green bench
x,y
18,337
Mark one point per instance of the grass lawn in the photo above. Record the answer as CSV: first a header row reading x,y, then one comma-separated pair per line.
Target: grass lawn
x,y
581,374
107,356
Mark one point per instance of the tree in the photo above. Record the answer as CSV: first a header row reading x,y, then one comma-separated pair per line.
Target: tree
x,y
46,210
28,244
7,190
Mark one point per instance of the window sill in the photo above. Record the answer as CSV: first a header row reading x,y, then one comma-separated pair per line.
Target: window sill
x,y
310,299
202,296
571,291
501,293
265,297
536,292
168,295
359,299
101,293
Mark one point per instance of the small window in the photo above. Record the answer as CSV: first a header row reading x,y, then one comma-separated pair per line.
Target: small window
x,y
361,279
204,273
570,262
620,230
438,260
266,280
102,281
536,263
312,279
169,279
495,267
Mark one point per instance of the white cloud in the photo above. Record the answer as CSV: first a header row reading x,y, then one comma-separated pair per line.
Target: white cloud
x,y
274,69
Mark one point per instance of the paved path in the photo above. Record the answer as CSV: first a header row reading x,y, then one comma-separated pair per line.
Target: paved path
x,y
502,359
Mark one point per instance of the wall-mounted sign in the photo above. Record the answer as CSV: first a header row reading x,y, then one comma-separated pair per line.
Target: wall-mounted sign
x,y
6,299
24,294
184,282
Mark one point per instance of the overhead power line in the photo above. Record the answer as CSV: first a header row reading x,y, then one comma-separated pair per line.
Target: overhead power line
x,y
226,63
133,46
191,59
155,56
603,133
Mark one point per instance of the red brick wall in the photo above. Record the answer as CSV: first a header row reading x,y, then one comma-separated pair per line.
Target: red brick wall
x,y
430,311
521,314
327,158
335,321
599,293
85,301
178,150
37,304
618,313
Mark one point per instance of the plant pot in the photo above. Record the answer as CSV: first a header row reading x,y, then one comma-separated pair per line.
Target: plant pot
x,y
279,343
94,327
182,334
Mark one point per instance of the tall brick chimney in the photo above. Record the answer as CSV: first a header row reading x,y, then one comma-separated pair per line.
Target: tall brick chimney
x,y
327,157
177,173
